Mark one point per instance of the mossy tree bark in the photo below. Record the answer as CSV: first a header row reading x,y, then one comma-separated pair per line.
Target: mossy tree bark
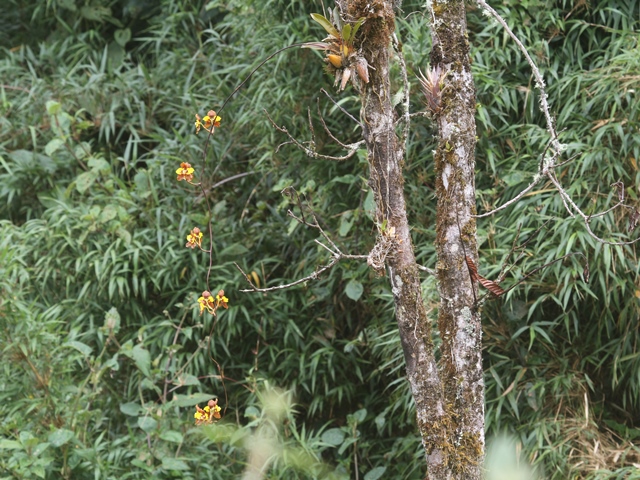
x,y
459,317
449,397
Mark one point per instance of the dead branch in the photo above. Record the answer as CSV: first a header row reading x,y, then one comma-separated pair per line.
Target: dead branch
x,y
353,148
313,276
548,164
341,108
427,269
336,256
326,129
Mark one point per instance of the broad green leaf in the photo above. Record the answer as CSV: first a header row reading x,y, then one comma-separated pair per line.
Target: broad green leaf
x,y
53,146
142,465
347,220
348,179
234,250
282,184
41,447
326,24
380,421
192,399
360,415
68,4
514,178
85,180
354,289
122,36
346,33
356,27
147,424
95,13
108,213
38,470
131,409
59,437
142,181
81,347
82,150
53,107
171,436
99,164
252,412
10,444
347,443
115,54
375,473
169,463
142,358
369,205
293,224
188,379
333,436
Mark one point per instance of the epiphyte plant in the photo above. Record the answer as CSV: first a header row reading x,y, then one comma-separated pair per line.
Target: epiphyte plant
x,y
344,61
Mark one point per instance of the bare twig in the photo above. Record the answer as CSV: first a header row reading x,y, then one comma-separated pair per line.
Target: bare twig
x,y
353,147
426,269
548,164
229,179
326,129
336,256
313,276
341,108
513,200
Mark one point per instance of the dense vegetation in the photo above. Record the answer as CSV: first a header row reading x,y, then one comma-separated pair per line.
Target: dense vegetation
x,y
104,353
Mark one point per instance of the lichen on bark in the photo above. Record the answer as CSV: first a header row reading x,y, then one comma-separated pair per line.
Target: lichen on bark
x,y
448,399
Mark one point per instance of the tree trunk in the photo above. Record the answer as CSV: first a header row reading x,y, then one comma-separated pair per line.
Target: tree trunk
x,y
449,400
459,317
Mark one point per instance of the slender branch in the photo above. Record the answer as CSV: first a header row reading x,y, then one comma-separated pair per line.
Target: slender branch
x,y
513,200
255,70
426,269
341,108
544,106
585,217
353,147
313,276
335,252
548,164
326,129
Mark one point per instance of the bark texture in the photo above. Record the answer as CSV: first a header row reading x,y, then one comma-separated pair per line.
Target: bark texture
x,y
449,400
459,318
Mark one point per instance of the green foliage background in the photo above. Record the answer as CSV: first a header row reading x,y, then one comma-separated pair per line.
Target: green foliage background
x,y
103,353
